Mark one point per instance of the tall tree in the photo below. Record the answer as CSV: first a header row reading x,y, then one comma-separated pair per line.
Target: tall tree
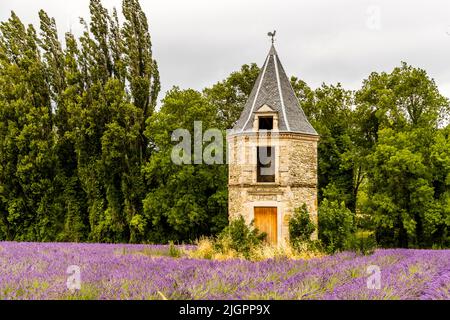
x,y
26,135
53,54
100,31
142,69
189,200
398,120
230,95
328,108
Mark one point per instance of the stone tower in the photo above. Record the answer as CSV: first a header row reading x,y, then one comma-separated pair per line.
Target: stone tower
x,y
272,152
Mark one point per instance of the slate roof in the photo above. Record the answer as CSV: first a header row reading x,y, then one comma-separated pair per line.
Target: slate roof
x,y
273,88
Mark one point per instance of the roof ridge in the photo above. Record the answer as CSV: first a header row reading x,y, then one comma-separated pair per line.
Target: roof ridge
x,y
272,51
257,91
283,107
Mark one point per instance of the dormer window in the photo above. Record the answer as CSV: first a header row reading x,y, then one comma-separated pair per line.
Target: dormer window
x,y
265,123
265,119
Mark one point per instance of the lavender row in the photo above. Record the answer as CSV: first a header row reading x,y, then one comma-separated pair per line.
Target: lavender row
x,y
125,271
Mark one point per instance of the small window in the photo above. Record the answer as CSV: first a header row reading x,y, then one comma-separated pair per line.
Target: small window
x,y
265,170
265,123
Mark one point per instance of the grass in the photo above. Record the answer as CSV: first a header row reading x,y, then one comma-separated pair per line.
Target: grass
x,y
206,250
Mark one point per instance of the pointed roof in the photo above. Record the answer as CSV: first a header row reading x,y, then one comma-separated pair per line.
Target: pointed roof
x,y
273,88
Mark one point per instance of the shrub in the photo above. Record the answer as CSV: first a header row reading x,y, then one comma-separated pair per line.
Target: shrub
x,y
203,250
240,240
336,225
362,242
364,221
174,252
207,249
240,237
300,226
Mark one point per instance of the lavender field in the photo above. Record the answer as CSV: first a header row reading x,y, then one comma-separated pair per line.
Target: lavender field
x,y
38,271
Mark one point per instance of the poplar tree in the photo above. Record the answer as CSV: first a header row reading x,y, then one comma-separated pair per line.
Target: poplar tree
x,y
27,137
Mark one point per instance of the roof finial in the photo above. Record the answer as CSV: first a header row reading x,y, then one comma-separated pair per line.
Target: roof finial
x,y
272,35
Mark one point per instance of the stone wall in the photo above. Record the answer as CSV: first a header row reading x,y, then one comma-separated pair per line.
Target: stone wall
x,y
295,181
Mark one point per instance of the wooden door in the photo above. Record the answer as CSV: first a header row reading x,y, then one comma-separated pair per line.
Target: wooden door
x,y
266,221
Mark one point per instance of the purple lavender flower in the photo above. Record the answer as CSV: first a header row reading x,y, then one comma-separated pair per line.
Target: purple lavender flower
x,y
125,271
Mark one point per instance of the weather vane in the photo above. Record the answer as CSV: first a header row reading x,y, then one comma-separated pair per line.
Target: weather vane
x,y
272,35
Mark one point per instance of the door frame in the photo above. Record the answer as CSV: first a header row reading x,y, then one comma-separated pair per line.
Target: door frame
x,y
274,204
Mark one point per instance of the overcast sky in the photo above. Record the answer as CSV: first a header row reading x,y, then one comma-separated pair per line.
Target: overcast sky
x,y
199,42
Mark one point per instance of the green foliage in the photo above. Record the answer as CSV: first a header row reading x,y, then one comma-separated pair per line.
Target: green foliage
x,y
85,155
27,157
174,252
336,225
405,155
402,99
186,201
329,110
230,95
300,226
407,199
362,242
239,237
73,141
